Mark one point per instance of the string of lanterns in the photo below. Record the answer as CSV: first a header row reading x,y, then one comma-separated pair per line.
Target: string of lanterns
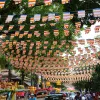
x,y
32,3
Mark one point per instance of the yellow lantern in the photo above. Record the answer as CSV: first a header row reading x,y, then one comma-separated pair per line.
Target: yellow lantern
x,y
58,82
47,83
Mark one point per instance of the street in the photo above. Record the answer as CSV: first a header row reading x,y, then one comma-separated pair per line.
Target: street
x,y
27,99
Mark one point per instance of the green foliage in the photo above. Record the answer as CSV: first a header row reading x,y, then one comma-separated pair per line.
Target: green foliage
x,y
6,90
2,61
96,79
43,10
93,85
81,85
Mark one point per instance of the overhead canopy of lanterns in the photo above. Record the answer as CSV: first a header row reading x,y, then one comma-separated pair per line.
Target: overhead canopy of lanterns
x,y
32,3
29,44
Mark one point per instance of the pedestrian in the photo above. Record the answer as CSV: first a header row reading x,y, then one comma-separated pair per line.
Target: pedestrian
x,y
89,96
83,97
78,96
33,97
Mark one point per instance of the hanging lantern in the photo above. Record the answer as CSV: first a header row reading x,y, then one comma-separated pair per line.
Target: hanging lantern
x,y
65,1
77,31
1,27
17,1
97,29
87,30
58,82
44,18
47,2
66,26
66,32
48,83
78,25
56,32
2,3
57,18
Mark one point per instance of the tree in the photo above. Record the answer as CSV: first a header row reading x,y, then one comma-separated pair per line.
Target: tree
x,y
2,62
81,85
96,79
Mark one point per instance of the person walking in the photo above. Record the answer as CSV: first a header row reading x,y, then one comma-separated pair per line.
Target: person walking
x,y
78,96
33,97
89,96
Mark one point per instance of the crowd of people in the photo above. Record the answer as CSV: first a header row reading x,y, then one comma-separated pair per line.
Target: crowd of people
x,y
87,96
79,96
